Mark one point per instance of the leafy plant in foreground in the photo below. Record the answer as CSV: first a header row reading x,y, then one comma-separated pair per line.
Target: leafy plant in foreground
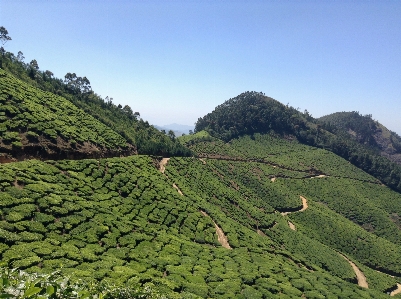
x,y
15,283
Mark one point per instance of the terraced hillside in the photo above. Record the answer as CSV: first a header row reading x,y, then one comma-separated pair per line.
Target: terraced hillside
x,y
348,210
253,112
250,216
201,228
77,90
37,124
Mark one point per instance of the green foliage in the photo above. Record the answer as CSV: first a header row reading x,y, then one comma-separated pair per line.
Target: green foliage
x,y
252,112
19,284
99,121
32,113
120,221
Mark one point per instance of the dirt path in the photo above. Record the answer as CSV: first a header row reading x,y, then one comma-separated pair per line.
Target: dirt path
x,y
304,206
397,291
359,274
162,164
291,225
221,237
260,233
178,189
203,161
319,176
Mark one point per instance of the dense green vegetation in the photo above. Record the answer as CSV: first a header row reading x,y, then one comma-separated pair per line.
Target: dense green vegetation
x,y
250,215
37,123
19,284
252,112
77,90
363,128
371,210
119,220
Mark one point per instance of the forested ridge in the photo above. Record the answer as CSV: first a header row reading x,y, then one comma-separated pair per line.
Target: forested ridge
x,y
253,112
123,120
366,131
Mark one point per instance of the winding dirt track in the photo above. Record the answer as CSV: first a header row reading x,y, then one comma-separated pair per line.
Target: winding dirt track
x,y
304,206
359,274
162,164
397,291
221,237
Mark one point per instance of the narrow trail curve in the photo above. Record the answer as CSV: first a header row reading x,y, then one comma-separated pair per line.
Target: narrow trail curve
x,y
320,176
304,206
359,274
221,237
397,291
162,164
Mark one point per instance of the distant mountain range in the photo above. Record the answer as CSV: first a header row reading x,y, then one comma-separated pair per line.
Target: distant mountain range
x,y
177,128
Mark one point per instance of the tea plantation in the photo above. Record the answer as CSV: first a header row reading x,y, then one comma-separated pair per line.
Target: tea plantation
x,y
120,220
257,216
37,124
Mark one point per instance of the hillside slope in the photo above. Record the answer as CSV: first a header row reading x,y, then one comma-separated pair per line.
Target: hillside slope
x,y
253,112
366,131
123,220
37,124
348,210
136,131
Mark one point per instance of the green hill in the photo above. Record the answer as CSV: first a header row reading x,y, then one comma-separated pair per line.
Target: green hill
x,y
366,131
122,220
37,124
253,112
122,120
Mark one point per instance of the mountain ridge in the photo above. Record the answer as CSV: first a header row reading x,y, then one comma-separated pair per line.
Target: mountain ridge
x,y
366,131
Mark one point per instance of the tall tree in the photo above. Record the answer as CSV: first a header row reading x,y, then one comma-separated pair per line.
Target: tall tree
x,y
4,37
20,56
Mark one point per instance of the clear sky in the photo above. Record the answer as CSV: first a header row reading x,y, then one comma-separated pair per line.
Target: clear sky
x,y
174,61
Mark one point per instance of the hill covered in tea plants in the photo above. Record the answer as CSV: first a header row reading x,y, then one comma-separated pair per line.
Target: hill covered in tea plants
x,y
122,120
37,124
217,226
264,208
253,112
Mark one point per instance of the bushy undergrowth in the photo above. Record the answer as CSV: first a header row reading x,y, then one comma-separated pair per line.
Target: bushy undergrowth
x,y
19,284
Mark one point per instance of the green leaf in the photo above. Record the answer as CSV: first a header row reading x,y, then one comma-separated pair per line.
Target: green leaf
x,y
50,290
31,291
5,295
83,294
5,282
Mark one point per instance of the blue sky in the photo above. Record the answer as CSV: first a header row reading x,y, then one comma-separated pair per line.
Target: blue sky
x,y
174,61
